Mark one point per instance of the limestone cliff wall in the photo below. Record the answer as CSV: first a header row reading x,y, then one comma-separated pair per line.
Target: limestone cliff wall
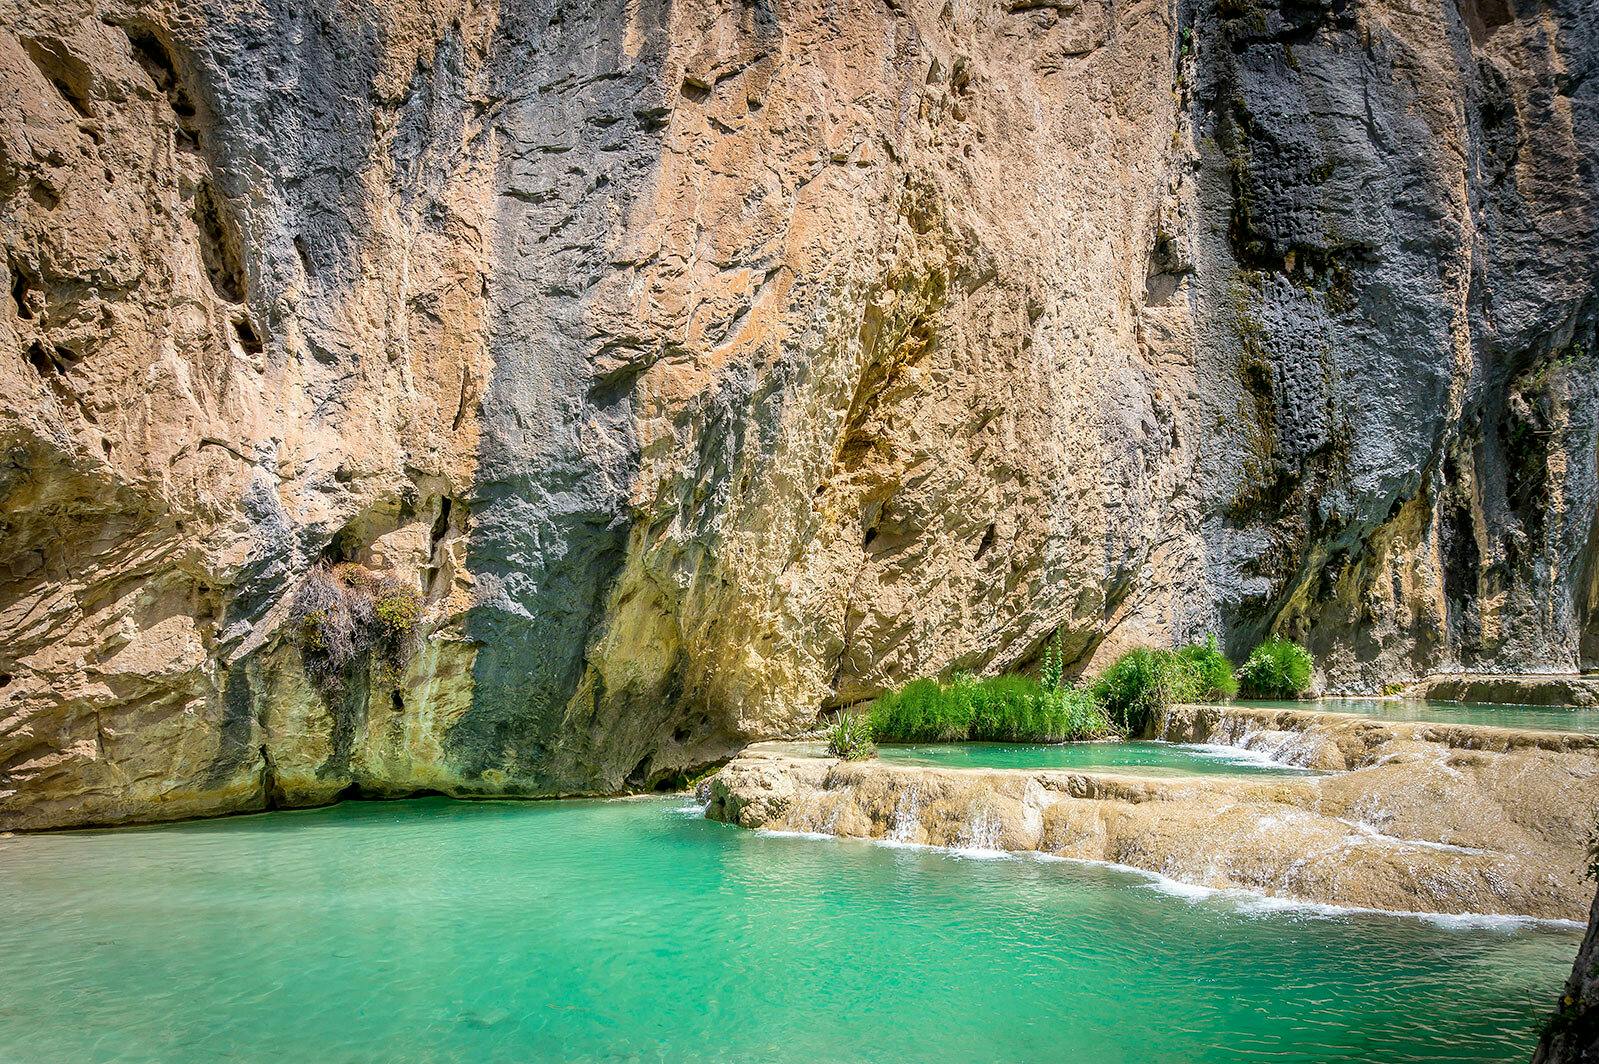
x,y
706,363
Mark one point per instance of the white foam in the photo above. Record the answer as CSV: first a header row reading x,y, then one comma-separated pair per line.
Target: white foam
x,y
1239,755
1178,889
1367,833
902,844
971,853
1244,901
779,833
1251,903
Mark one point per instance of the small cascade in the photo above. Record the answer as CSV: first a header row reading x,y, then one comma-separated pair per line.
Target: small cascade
x,y
1365,833
1370,812
822,817
1287,747
906,821
1284,747
982,829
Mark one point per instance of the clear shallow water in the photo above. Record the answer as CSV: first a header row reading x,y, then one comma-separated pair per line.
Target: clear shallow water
x,y
1542,718
1136,758
434,931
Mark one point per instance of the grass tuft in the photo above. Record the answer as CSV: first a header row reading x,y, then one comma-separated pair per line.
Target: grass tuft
x,y
1212,671
1278,668
850,737
1005,709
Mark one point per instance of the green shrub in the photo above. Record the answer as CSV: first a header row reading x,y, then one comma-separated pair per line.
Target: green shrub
x,y
347,619
1278,668
1212,671
1141,684
850,737
921,712
1003,710
397,609
1009,709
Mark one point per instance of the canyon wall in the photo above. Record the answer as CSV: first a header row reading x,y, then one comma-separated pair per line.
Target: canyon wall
x,y
701,365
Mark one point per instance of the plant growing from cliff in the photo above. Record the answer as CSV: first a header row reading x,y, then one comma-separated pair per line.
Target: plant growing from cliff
x,y
850,737
396,609
347,618
326,628
1143,683
1052,670
1278,668
1213,673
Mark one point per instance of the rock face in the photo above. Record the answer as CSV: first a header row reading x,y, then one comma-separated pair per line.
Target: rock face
x,y
705,364
1416,825
1522,690
1572,1033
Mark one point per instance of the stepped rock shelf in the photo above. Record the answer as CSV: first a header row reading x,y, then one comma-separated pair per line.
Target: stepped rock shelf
x,y
1427,818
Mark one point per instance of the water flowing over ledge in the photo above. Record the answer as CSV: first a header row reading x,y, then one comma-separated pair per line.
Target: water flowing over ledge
x,y
1413,818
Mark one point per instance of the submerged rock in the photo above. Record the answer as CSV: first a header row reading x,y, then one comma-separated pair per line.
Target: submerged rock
x,y
702,364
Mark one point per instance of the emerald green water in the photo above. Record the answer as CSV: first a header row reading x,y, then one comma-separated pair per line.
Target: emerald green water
x,y
1542,718
434,931
1137,758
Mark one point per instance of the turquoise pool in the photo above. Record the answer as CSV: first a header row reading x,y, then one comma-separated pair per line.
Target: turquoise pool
x,y
437,931
1134,758
1542,718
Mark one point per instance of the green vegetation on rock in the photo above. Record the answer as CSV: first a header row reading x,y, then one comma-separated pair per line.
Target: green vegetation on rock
x,y
1278,668
1012,709
1143,682
1125,698
347,618
850,737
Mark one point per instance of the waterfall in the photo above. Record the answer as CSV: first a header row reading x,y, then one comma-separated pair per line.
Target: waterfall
x,y
905,823
982,828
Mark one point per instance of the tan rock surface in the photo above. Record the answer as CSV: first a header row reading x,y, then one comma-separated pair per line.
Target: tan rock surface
x,y
1426,828
1337,741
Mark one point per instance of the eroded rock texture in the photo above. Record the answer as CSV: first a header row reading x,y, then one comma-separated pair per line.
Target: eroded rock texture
x,y
1474,821
704,364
